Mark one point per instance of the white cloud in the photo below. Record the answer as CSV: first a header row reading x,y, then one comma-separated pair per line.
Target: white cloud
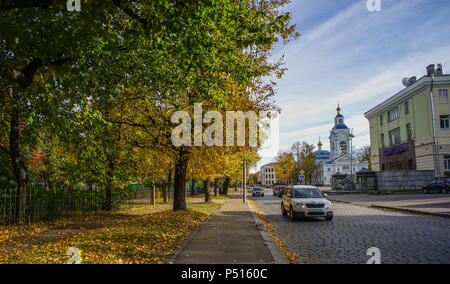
x,y
357,58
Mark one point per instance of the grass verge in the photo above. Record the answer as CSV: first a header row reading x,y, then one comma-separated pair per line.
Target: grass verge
x,y
145,239
291,256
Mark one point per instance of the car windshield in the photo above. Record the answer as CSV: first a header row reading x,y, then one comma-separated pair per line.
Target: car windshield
x,y
307,193
258,189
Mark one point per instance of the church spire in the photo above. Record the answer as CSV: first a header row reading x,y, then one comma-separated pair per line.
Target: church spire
x,y
339,120
320,144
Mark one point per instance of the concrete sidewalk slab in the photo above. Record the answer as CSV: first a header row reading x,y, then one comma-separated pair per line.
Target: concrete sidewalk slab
x,y
429,204
230,236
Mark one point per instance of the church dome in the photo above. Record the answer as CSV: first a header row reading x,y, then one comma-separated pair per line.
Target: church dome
x,y
322,155
341,126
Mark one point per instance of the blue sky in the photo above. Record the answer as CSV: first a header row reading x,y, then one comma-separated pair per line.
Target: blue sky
x,y
359,58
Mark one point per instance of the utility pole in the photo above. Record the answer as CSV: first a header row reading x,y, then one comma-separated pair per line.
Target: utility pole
x,y
436,145
244,182
351,152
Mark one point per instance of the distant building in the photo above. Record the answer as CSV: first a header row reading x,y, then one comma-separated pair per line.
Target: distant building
x,y
268,175
401,127
339,160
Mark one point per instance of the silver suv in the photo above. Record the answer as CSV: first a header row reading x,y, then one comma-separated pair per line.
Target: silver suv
x,y
305,201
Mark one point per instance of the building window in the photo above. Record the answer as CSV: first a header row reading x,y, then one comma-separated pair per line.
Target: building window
x,y
381,120
447,163
393,115
382,140
410,165
396,166
443,94
343,146
408,131
406,107
445,121
394,136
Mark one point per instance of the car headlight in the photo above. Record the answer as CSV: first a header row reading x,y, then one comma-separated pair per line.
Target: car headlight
x,y
300,205
327,206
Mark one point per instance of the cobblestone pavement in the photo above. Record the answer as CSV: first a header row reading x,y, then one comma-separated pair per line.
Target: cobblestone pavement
x,y
402,238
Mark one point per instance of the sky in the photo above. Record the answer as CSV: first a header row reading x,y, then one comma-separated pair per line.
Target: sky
x,y
358,58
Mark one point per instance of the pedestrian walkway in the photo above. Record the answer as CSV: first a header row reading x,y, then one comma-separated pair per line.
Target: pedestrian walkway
x,y
230,236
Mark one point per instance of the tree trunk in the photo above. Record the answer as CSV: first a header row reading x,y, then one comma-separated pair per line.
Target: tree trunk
x,y
167,188
179,199
226,185
207,184
19,168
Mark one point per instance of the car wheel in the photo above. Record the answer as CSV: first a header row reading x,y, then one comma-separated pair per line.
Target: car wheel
x,y
283,211
292,214
329,218
263,195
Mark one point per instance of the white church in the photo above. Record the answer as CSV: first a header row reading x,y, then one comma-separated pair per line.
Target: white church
x,y
339,159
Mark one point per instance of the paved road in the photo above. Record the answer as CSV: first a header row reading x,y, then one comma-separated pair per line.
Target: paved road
x,y
402,238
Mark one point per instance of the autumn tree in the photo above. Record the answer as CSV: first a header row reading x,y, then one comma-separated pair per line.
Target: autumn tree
x,y
285,167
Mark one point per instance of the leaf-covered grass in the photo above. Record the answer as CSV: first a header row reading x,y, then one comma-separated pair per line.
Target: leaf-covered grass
x,y
145,239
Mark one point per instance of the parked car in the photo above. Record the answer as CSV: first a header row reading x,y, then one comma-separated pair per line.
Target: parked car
x,y
305,201
278,190
258,191
441,185
250,188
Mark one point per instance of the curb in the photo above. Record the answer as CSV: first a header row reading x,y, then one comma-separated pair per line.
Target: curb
x,y
443,215
399,209
275,251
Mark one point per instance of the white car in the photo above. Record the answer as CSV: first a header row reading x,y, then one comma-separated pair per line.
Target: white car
x,y
305,201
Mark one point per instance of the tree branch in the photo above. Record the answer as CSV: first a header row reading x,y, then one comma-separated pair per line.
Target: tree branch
x,y
14,4
130,12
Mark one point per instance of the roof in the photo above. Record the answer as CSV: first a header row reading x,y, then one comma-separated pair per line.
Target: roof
x,y
268,165
423,82
304,186
340,126
339,115
322,153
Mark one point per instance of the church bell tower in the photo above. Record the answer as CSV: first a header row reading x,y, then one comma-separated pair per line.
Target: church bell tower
x,y
339,136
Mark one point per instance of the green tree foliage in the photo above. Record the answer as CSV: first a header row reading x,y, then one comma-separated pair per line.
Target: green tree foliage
x,y
93,91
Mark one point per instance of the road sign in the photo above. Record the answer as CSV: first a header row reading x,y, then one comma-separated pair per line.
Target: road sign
x,y
301,178
302,172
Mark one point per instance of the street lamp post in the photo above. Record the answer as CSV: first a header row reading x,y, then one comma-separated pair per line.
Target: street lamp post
x,y
351,152
244,183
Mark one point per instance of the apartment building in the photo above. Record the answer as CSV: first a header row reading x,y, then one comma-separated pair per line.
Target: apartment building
x,y
268,175
402,131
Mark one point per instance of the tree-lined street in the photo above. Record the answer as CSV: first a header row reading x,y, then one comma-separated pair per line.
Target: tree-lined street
x,y
401,238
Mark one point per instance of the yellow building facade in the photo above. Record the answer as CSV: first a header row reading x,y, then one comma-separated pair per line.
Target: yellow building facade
x,y
401,128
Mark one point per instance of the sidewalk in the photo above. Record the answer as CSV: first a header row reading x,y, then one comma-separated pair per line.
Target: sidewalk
x,y
230,236
428,204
